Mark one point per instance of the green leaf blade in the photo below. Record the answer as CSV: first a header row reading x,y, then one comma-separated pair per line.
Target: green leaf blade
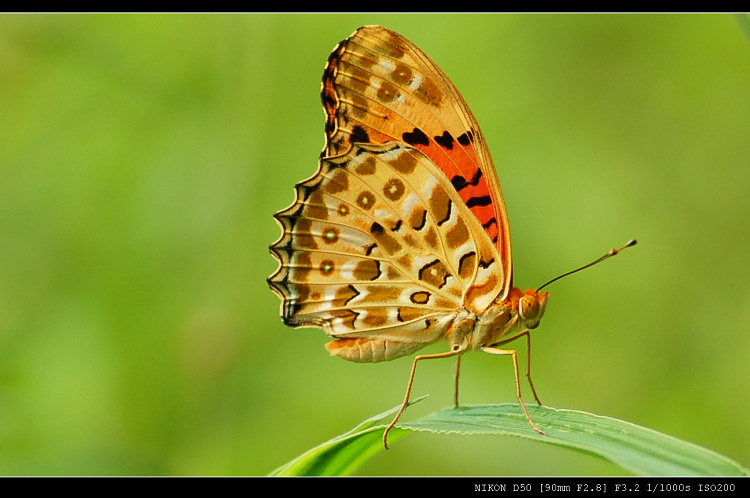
x,y
343,454
636,449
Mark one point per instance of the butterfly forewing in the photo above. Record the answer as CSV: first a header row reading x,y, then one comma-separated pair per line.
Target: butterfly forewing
x,y
378,245
379,87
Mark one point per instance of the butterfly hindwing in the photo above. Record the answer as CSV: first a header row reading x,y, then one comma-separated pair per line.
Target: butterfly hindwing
x,y
378,245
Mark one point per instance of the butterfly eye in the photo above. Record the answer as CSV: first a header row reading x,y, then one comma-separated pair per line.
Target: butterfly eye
x,y
528,307
531,308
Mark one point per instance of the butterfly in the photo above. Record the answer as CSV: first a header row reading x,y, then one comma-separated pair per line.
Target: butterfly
x,y
401,238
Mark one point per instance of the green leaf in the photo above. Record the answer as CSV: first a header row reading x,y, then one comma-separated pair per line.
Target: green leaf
x,y
636,449
343,454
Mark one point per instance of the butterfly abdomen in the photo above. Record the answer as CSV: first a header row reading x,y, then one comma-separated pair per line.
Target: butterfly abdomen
x,y
361,350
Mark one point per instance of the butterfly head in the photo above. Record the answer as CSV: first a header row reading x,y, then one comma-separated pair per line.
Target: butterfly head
x,y
531,307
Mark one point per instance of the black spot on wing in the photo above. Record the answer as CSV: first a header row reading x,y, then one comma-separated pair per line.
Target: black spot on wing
x,y
486,264
481,200
359,134
490,222
416,137
330,127
379,271
459,182
477,177
355,293
466,138
445,140
328,100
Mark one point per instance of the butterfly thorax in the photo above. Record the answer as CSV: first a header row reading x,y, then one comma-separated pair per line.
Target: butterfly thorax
x,y
518,311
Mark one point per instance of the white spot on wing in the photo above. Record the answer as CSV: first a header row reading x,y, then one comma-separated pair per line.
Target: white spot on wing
x,y
415,82
386,65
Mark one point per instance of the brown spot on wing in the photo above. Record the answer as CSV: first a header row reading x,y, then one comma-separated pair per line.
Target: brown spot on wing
x,y
366,200
385,240
404,163
367,269
429,93
402,74
466,265
421,297
366,167
394,189
440,205
327,267
434,274
458,234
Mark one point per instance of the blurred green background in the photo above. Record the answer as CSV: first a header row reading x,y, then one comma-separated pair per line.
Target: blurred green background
x,y
141,160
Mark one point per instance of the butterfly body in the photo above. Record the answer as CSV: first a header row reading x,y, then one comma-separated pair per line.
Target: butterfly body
x,y
465,331
401,238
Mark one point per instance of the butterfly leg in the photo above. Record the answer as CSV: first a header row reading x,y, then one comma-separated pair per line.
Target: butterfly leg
x,y
528,359
455,392
447,354
513,354
528,366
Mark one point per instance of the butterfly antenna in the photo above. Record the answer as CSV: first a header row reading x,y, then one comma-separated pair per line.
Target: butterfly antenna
x,y
608,255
